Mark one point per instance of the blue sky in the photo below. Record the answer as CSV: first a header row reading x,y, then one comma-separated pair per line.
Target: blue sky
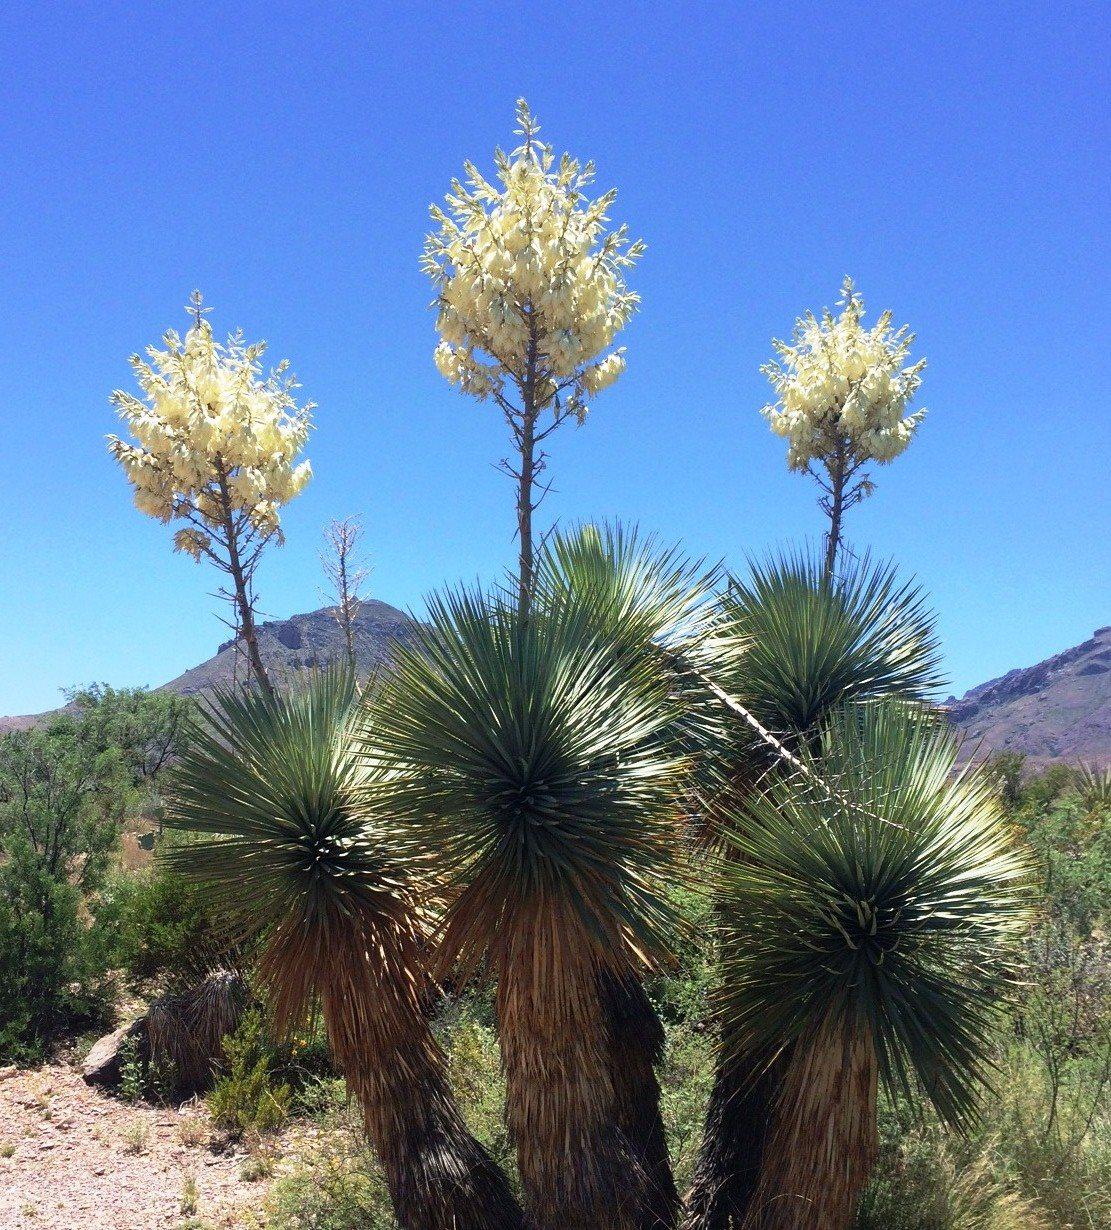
x,y
952,158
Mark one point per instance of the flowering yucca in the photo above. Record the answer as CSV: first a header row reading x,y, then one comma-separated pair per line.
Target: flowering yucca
x,y
842,394
531,294
216,445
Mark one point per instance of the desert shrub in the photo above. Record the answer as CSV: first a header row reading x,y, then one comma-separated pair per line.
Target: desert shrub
x,y
683,993
474,1067
1018,1172
247,1098
685,1080
927,1178
50,978
335,1187
61,797
1073,849
304,1060
66,786
154,924
1053,1134
133,1084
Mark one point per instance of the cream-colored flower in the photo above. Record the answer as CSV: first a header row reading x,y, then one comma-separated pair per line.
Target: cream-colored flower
x,y
215,440
842,386
531,283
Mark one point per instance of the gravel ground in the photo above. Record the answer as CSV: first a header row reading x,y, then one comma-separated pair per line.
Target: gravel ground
x,y
73,1158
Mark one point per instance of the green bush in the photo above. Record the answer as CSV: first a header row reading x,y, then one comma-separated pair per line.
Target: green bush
x,y
474,1066
50,980
685,1080
155,924
333,1188
247,1098
928,1179
66,787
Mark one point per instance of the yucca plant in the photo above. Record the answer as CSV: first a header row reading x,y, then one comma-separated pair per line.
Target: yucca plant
x,y
798,644
537,765
870,915
185,1030
294,855
651,607
1094,787
813,642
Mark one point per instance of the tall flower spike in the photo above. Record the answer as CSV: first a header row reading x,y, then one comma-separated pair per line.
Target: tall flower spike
x,y
215,443
530,294
842,397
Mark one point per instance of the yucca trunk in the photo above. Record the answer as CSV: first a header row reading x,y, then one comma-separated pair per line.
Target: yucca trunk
x,y
373,1003
636,1050
822,1142
736,1129
575,1166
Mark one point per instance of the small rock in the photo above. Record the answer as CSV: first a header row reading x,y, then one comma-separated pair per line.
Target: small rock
x,y
102,1067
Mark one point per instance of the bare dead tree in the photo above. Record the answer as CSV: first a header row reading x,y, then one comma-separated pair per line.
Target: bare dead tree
x,y
346,571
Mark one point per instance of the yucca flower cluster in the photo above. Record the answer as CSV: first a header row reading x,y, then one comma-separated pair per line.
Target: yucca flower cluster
x,y
838,383
531,284
216,441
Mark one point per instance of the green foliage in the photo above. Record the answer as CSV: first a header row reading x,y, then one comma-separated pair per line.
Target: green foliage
x,y
247,1098
65,787
62,794
926,1179
888,893
474,1066
685,1080
1052,1130
147,729
335,1187
1015,1172
1008,770
1073,849
813,644
132,1085
49,976
157,924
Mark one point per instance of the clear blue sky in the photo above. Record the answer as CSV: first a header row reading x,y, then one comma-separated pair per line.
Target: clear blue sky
x,y
952,158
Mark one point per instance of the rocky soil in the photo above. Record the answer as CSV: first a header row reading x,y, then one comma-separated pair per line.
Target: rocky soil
x,y
72,1156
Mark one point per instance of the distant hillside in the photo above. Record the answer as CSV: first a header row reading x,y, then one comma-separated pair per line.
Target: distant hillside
x,y
1057,710
303,642
287,647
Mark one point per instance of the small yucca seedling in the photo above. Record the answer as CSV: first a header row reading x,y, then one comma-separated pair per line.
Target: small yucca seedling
x,y
136,1136
1094,785
871,913
187,1205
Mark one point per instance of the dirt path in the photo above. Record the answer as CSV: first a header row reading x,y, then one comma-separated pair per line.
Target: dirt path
x,y
72,1158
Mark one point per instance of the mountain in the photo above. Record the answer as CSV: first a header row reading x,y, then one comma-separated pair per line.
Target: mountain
x,y
302,642
287,646
1057,710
